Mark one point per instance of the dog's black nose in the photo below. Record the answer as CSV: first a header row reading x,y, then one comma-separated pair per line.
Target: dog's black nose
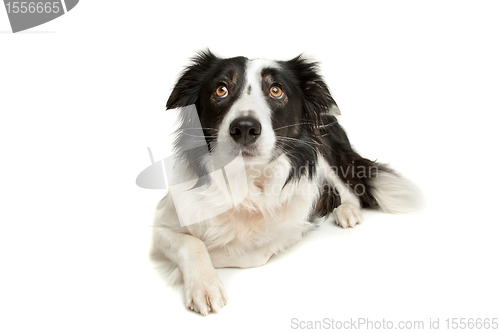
x,y
245,130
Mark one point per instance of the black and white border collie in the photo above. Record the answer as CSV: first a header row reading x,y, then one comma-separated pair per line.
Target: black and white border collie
x,y
299,168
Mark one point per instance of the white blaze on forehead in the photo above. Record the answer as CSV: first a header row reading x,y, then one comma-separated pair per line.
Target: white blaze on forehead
x,y
252,99
254,73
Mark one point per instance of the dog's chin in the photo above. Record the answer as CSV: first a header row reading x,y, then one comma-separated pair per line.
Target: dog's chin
x,y
255,159
250,153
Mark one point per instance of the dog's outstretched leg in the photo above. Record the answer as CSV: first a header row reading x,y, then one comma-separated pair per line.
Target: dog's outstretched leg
x,y
203,290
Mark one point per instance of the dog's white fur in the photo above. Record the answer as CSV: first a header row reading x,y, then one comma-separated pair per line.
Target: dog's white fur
x,y
243,237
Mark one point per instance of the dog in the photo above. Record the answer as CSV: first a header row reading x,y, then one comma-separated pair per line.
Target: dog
x,y
288,165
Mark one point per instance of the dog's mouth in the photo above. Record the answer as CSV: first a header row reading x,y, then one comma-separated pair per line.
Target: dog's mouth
x,y
250,151
233,149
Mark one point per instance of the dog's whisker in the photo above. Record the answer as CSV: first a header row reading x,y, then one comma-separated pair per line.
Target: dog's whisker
x,y
197,135
307,123
198,128
296,140
292,125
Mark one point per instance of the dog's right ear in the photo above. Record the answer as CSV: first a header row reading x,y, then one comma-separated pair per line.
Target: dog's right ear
x,y
187,89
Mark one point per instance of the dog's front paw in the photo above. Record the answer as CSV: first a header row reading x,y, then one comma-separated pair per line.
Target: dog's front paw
x,y
205,294
347,215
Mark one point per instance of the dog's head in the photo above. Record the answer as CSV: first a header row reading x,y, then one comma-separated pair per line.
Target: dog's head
x,y
262,108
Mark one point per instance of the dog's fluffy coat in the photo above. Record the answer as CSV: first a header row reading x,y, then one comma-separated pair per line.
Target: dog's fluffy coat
x,y
301,168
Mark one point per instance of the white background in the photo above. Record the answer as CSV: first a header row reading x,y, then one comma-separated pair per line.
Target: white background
x,y
82,97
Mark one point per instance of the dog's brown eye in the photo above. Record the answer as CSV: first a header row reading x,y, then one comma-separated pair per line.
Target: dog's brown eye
x,y
276,92
221,91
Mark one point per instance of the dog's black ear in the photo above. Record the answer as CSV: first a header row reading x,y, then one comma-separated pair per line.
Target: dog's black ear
x,y
317,97
187,89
